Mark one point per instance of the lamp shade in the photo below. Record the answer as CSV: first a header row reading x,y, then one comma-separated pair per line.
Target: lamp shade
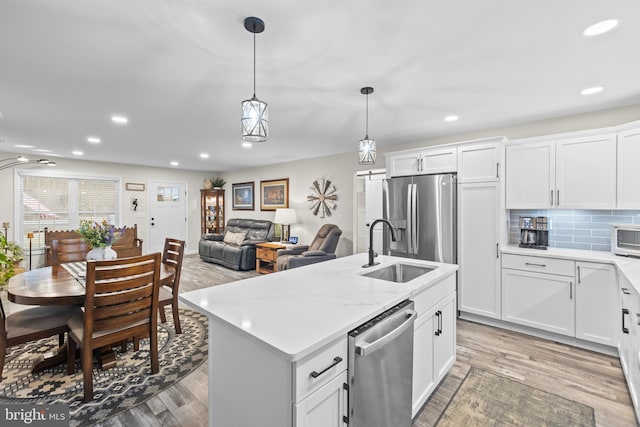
x,y
367,151
255,120
285,216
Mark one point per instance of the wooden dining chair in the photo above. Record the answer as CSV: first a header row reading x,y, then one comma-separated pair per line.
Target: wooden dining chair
x,y
32,324
172,255
121,302
68,250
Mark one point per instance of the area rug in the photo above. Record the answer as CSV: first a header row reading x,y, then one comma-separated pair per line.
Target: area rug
x,y
115,390
486,399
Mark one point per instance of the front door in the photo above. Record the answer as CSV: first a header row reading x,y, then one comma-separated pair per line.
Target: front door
x,y
167,213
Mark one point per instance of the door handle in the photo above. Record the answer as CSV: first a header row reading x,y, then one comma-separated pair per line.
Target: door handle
x,y
557,197
570,290
497,170
551,192
579,279
439,327
625,291
535,265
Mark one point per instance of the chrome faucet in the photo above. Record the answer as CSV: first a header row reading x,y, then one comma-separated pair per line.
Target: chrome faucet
x,y
372,254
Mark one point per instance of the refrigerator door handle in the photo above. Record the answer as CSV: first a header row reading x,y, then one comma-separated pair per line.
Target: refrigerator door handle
x,y
415,215
409,219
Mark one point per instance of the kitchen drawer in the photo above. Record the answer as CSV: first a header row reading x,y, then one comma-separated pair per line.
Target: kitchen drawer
x,y
434,294
266,254
317,362
537,264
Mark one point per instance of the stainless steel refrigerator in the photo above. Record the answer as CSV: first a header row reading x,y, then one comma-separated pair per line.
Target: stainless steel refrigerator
x,y
422,210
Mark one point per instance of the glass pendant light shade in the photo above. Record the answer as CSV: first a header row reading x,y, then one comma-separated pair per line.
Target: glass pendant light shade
x,y
367,146
255,120
255,113
367,151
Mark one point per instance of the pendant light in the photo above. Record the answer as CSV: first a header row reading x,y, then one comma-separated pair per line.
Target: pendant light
x,y
255,113
367,146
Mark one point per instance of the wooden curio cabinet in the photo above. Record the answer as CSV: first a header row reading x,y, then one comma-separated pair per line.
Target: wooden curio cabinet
x,y
212,211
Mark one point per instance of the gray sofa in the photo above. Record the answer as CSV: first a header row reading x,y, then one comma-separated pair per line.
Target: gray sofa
x,y
236,248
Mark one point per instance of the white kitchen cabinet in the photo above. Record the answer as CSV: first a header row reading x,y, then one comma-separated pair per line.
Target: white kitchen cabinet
x,y
444,345
478,249
480,162
538,300
597,303
586,173
422,162
433,339
530,175
628,170
629,347
327,407
574,173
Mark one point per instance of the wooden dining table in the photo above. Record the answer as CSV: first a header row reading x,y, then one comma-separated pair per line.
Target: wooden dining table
x,y
62,285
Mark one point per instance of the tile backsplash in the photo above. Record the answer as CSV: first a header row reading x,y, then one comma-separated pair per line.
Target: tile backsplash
x,y
575,228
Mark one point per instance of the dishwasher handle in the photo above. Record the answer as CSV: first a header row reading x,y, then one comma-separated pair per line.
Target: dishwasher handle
x,y
366,349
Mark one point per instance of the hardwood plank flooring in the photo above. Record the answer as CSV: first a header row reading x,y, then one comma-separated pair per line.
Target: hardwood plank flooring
x,y
580,375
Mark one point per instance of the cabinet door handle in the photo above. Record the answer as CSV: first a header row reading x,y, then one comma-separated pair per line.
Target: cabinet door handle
x,y
579,279
570,290
551,192
535,265
625,330
557,197
336,360
625,291
497,250
439,327
497,170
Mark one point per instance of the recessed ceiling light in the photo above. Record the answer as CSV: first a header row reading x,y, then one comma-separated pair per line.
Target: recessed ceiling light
x,y
174,163
23,146
94,140
204,156
451,118
41,150
247,144
121,120
22,159
600,27
77,153
591,90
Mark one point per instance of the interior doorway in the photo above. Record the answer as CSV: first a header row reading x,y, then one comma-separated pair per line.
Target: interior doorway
x,y
368,190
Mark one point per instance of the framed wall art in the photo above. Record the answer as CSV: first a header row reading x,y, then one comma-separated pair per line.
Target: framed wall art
x,y
242,194
274,194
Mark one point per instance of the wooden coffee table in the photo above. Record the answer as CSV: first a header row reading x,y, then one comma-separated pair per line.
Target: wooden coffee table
x,y
266,254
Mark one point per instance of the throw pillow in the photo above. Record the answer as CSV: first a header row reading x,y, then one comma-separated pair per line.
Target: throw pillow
x,y
231,238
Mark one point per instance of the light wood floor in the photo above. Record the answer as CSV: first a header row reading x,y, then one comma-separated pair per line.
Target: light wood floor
x,y
583,376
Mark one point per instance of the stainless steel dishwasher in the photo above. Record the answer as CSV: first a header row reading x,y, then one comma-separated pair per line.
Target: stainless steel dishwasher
x,y
381,369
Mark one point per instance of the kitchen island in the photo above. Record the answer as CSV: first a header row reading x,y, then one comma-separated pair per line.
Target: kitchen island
x,y
268,335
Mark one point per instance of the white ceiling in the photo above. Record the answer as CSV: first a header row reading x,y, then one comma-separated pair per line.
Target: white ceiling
x,y
180,68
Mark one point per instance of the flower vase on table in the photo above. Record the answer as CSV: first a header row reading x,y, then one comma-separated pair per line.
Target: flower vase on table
x,y
100,236
99,254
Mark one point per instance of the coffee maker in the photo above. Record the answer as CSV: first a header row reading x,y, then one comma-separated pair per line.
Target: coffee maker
x,y
534,232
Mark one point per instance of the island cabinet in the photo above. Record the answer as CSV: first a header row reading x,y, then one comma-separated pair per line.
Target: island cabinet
x,y
629,330
311,392
434,344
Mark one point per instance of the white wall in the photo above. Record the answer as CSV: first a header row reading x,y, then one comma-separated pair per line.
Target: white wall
x,y
128,173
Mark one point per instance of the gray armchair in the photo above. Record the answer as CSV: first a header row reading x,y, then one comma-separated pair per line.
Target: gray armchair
x,y
322,248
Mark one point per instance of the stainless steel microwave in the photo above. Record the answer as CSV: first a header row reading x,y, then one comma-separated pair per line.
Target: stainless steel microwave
x,y
625,239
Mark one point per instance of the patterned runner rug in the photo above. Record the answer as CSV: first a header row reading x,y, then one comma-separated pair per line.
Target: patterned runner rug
x,y
115,390
486,399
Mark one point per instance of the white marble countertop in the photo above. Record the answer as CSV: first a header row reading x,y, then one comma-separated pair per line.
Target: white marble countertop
x,y
298,311
630,267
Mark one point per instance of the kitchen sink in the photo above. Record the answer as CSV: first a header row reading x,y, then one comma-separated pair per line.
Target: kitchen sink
x,y
399,273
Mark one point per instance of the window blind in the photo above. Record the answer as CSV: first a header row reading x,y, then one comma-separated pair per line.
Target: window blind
x,y
61,202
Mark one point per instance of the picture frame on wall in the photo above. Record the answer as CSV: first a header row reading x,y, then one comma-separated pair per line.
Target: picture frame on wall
x,y
243,198
274,194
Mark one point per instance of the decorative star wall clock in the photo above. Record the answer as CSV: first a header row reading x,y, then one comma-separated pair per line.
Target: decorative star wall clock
x,y
323,198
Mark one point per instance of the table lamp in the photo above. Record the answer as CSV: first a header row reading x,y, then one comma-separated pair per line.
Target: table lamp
x,y
286,217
